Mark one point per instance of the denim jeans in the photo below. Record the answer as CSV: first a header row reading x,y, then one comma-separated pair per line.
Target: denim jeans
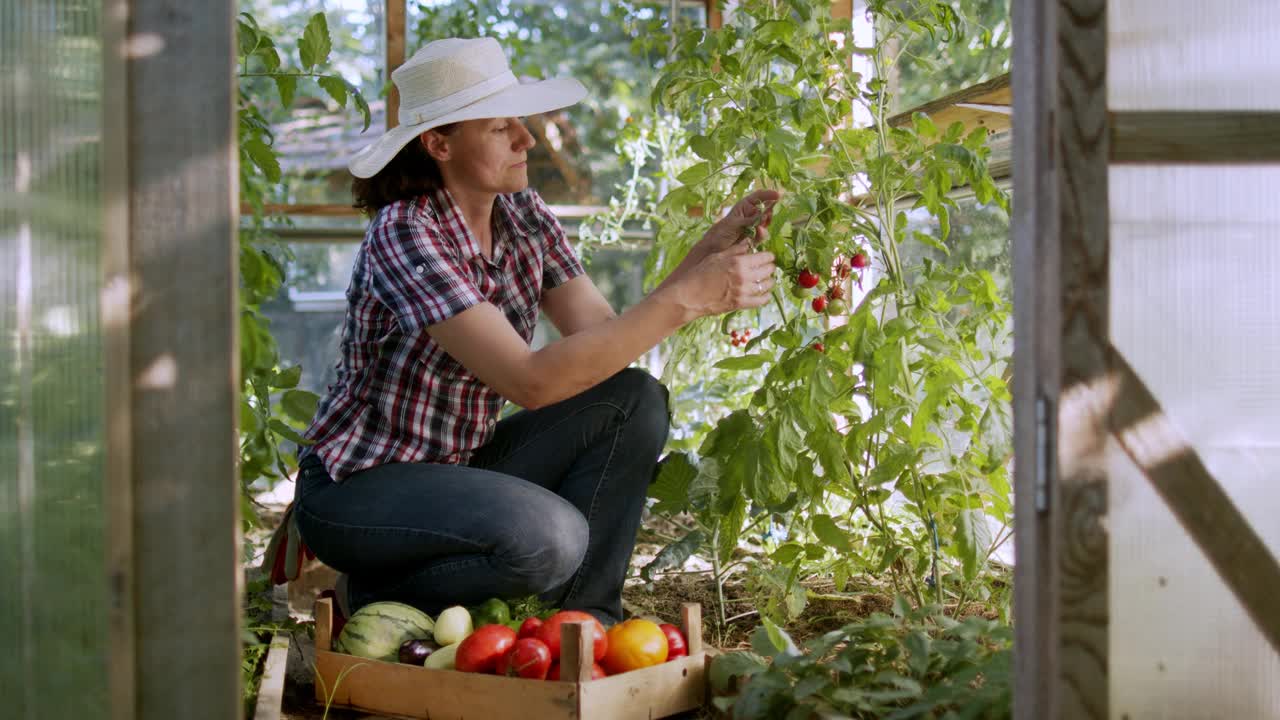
x,y
549,507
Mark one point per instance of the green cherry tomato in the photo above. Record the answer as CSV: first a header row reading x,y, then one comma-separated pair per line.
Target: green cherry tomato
x,y
836,306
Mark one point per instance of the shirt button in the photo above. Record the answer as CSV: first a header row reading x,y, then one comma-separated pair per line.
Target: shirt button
x,y
421,269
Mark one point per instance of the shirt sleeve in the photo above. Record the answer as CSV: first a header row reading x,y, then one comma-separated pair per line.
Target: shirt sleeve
x,y
560,262
418,275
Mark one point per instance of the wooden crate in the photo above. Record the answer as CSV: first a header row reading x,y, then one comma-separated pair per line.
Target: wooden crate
x,y
416,692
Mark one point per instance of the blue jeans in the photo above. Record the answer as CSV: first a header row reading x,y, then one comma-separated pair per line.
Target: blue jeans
x,y
549,507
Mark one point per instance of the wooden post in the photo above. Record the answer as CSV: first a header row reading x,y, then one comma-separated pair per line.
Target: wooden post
x,y
1061,245
577,650
395,12
691,621
176,290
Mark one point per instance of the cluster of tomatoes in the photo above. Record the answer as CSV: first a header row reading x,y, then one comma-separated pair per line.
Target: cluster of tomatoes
x,y
739,338
533,651
832,301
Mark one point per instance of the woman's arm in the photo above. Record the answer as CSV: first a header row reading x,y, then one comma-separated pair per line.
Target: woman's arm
x,y
484,342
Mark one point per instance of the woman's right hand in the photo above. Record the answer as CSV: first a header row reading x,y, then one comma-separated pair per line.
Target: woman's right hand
x,y
732,279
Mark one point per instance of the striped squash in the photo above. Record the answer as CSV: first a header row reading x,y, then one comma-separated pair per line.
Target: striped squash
x,y
377,630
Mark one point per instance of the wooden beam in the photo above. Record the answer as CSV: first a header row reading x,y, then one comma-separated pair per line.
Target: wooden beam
x,y
1080,148
997,91
1035,360
395,17
1195,137
117,373
1168,460
1061,246
184,357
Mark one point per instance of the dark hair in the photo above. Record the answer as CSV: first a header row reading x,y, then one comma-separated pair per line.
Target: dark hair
x,y
412,172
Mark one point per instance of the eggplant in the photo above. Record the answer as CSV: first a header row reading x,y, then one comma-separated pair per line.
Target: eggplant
x,y
415,651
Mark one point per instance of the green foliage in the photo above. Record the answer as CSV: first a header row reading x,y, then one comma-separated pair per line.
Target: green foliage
x,y
886,453
273,411
915,664
930,67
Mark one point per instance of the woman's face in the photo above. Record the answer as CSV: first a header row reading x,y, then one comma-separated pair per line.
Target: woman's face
x,y
483,155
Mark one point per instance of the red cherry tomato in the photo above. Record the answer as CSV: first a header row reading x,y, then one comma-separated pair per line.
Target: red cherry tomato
x,y
549,633
529,628
676,645
528,658
861,260
480,651
819,347
807,278
819,303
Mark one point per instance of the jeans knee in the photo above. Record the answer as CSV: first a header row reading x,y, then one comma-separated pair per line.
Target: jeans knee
x,y
550,550
647,404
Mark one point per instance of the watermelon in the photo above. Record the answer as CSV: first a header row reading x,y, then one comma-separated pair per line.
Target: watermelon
x,y
377,630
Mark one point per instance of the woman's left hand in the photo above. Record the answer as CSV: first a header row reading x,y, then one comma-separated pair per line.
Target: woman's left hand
x,y
747,219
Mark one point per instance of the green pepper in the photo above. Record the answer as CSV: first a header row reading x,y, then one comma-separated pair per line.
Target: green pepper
x,y
491,612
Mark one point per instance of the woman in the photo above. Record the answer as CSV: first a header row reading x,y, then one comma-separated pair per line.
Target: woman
x,y
412,488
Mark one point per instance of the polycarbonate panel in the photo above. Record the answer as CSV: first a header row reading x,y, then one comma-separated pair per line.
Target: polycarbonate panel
x,y
52,562
1195,308
1193,55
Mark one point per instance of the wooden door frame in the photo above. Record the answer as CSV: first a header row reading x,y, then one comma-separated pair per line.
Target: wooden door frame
x,y
171,359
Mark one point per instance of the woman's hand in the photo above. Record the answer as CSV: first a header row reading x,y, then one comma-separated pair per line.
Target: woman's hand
x,y
747,219
731,279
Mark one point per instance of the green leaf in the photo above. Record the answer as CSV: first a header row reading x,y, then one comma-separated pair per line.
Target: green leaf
x,y
674,555
787,553
770,640
286,379
287,432
299,405
287,85
313,48
695,174
971,549
336,88
744,362
704,147
671,487
924,126
824,526
264,157
917,644
729,666
731,528
363,107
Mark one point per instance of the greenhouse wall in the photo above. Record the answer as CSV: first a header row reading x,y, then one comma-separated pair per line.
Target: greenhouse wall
x,y
1195,310
53,611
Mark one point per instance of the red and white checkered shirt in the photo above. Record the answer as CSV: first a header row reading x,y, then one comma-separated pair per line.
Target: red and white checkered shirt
x,y
399,396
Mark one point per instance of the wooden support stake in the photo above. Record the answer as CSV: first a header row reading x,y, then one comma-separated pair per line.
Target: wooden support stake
x,y
691,622
271,686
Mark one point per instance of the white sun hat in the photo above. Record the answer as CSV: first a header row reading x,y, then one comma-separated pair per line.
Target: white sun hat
x,y
456,79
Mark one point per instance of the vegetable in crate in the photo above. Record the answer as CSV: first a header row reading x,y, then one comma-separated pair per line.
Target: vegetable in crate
x,y
415,651
676,645
491,612
377,630
549,633
443,659
529,658
482,649
529,628
453,625
635,644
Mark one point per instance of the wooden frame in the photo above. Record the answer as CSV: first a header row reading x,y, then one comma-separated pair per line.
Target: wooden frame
x,y
172,352
1061,245
1195,137
406,690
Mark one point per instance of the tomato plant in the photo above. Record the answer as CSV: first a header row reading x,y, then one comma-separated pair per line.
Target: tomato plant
x,y
885,453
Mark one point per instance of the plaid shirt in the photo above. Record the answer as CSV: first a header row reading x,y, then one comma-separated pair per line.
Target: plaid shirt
x,y
399,397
